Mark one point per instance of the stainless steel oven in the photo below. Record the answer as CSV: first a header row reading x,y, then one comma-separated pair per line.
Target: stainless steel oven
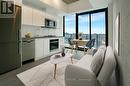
x,y
54,44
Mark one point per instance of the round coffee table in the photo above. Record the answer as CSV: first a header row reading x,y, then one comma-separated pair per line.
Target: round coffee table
x,y
54,60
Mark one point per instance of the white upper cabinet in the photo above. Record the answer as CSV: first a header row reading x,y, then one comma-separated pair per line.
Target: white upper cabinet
x,y
50,16
31,16
59,22
27,15
38,18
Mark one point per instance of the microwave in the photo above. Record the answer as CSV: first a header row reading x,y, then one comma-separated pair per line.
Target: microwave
x,y
50,23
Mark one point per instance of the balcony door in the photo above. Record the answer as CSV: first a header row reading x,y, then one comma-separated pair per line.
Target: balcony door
x,y
93,25
83,26
98,28
87,25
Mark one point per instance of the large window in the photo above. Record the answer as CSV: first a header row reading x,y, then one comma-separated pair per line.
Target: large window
x,y
98,29
83,26
70,30
90,25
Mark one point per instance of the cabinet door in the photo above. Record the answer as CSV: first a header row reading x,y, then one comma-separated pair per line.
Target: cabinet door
x,y
38,18
39,51
61,43
26,15
59,22
46,47
50,16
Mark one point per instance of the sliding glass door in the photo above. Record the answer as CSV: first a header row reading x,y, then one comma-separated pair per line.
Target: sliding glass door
x,y
87,25
93,25
69,31
98,28
83,27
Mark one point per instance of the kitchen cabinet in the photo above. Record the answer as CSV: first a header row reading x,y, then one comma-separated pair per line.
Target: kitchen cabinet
x,y
42,47
38,17
51,17
32,16
46,47
61,42
59,22
27,15
39,49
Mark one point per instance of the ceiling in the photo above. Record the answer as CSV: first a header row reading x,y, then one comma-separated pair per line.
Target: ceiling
x,y
70,1
58,7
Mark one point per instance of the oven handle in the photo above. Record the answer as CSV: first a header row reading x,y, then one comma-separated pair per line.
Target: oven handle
x,y
54,42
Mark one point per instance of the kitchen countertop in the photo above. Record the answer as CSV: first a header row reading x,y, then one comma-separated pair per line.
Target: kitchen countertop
x,y
44,37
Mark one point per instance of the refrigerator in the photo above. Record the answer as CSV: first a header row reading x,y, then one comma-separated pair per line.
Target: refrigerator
x,y
10,52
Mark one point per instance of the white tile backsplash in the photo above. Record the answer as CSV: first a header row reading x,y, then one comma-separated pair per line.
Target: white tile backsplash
x,y
27,28
38,31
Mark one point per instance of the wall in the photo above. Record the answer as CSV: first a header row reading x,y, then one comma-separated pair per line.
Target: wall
x,y
123,59
38,31
110,24
18,2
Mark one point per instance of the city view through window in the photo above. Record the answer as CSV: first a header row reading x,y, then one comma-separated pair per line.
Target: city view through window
x,y
97,30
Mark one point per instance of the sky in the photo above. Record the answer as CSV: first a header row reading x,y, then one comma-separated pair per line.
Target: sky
x,y
98,23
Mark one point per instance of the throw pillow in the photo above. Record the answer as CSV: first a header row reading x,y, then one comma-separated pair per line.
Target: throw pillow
x,y
97,61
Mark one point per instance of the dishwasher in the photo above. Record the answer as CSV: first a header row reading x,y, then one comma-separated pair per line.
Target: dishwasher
x,y
28,49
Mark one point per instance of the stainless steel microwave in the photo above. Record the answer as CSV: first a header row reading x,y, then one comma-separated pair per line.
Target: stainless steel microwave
x,y
50,23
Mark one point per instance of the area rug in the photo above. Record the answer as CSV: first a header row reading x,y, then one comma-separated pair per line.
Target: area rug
x,y
42,75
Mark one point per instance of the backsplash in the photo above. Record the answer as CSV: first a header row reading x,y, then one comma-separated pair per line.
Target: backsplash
x,y
38,31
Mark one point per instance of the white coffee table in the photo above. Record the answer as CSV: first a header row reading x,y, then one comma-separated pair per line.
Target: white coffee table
x,y
56,61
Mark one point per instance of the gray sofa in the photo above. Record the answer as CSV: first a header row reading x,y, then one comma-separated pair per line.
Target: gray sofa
x,y
81,73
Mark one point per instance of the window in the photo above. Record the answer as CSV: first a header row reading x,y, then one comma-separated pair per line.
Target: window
x,y
98,30
83,26
70,30
88,25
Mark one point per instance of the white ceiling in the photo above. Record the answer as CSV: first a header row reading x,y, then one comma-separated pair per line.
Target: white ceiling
x,y
99,3
59,7
70,1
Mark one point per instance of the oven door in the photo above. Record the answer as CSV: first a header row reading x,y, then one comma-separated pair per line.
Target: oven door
x,y
54,44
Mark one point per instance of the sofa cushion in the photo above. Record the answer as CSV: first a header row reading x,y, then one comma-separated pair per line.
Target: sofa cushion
x,y
97,61
85,62
108,66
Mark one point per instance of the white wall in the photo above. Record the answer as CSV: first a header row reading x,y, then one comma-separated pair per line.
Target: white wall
x,y
18,2
38,31
27,28
110,24
123,59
